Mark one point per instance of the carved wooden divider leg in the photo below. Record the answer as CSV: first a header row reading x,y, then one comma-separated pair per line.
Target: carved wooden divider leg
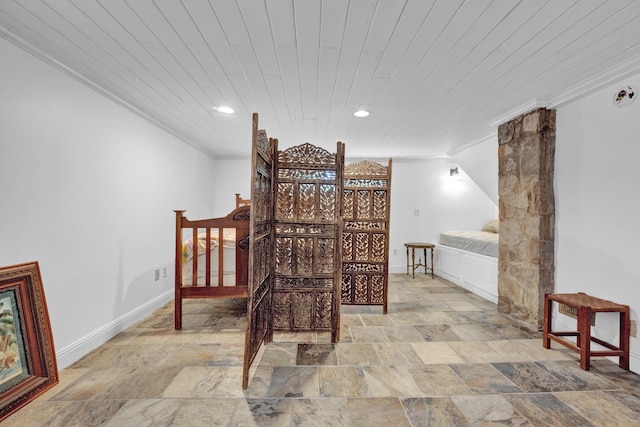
x,y
365,249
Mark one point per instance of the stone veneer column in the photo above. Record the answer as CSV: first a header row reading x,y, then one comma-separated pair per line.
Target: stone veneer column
x,y
526,147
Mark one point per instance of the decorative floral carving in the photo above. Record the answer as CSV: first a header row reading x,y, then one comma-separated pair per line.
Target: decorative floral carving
x,y
307,154
365,167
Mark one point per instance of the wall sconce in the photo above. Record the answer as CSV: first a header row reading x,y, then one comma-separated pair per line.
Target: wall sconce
x,y
454,172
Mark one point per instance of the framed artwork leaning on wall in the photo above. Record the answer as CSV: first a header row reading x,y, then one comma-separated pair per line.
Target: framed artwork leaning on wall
x,y
27,357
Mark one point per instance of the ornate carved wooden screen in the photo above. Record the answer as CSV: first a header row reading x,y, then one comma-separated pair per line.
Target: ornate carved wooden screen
x,y
365,236
259,312
308,185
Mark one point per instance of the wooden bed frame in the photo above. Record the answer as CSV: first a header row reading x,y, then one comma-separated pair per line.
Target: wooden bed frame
x,y
237,219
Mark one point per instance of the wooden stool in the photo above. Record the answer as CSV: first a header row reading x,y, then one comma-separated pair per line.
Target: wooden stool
x,y
413,246
586,305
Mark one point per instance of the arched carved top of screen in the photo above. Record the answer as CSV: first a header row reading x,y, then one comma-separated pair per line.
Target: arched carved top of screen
x,y
365,168
366,201
307,154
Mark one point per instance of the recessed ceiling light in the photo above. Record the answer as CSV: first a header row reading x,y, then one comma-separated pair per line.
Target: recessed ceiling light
x,y
361,113
225,110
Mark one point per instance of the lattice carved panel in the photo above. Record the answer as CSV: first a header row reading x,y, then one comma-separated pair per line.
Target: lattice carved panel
x,y
363,266
308,238
291,283
362,246
348,204
365,257
378,247
347,246
364,225
307,195
376,288
325,255
284,255
307,174
323,310
347,287
363,204
327,211
380,200
304,256
281,310
284,202
302,310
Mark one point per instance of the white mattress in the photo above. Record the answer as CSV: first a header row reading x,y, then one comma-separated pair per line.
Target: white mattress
x,y
480,242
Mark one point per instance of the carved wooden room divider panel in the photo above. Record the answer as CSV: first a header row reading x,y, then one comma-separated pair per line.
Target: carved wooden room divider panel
x,y
308,236
365,236
259,302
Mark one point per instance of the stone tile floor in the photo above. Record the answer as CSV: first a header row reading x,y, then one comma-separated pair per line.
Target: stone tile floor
x,y
441,357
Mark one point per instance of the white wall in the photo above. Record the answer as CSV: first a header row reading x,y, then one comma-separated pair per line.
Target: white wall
x,y
443,203
231,176
87,189
480,162
597,205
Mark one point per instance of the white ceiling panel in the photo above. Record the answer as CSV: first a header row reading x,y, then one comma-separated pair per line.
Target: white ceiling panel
x,y
435,74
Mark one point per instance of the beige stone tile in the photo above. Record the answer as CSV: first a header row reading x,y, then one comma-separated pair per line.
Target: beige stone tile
x,y
438,380
436,411
375,320
377,412
463,306
386,381
342,381
490,410
328,412
436,353
360,354
279,354
138,412
65,378
204,412
195,382
276,412
369,334
478,352
402,334
397,354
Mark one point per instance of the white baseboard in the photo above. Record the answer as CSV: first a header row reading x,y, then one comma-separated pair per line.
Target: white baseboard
x,y
73,352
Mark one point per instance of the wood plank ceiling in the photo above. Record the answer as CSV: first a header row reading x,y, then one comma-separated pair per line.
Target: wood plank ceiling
x,y
436,75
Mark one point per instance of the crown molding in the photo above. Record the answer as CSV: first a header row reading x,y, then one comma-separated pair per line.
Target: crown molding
x,y
518,111
575,92
48,59
597,82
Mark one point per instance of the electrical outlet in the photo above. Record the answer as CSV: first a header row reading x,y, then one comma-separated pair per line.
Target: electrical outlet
x,y
416,212
164,271
157,274
634,329
395,252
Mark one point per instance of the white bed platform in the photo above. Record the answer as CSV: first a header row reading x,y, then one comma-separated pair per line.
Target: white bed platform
x,y
475,272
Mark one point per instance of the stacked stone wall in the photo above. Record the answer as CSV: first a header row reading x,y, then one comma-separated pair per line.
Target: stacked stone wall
x,y
526,147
